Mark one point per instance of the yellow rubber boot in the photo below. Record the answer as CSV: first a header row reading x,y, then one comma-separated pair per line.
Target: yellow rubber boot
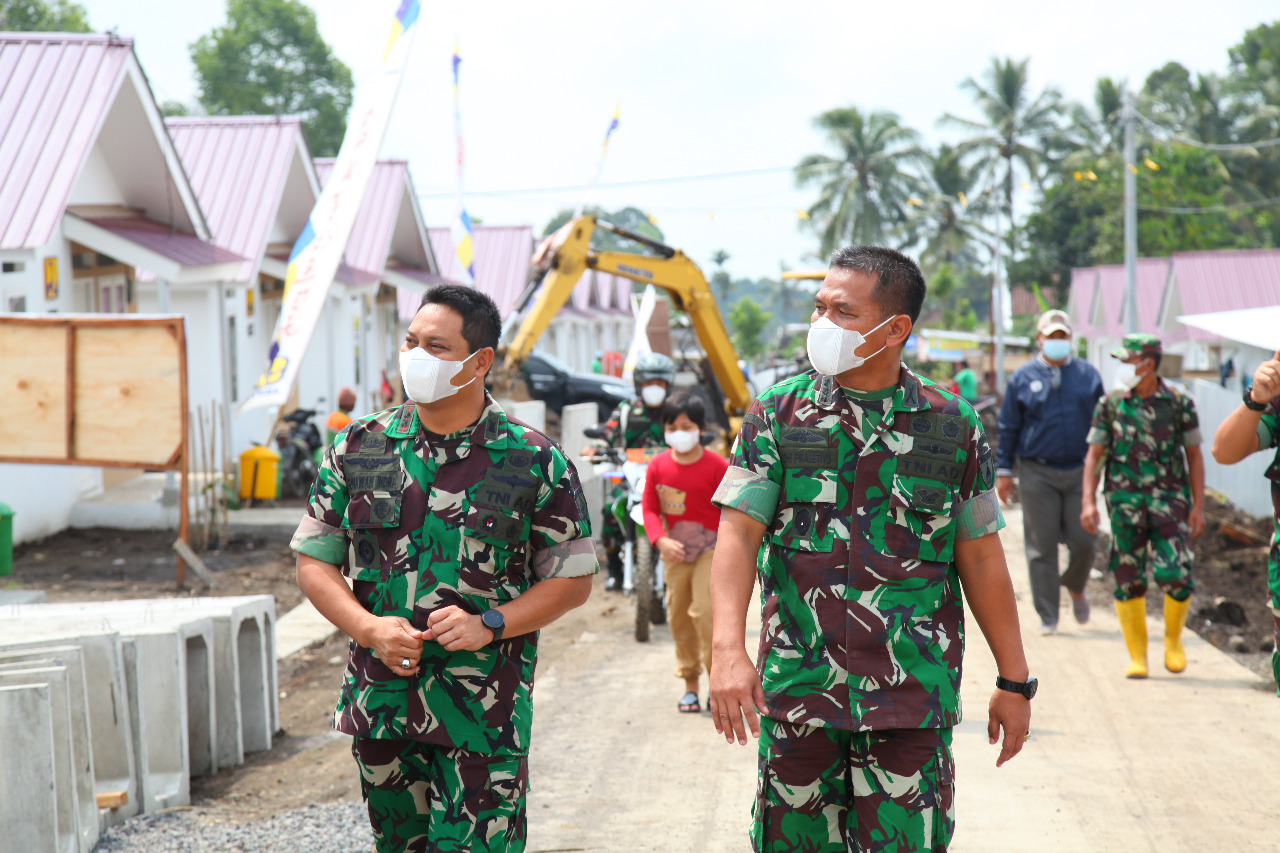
x,y
1133,623
1175,618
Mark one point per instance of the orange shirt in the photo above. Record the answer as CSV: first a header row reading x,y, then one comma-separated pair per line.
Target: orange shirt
x,y
338,421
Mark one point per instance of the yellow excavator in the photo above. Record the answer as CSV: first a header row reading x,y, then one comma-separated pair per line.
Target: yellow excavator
x,y
567,254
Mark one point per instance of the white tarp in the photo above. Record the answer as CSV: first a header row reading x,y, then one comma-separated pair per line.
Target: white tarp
x,y
1257,327
318,251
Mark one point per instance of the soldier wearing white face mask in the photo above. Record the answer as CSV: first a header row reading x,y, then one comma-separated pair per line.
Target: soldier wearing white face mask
x,y
634,425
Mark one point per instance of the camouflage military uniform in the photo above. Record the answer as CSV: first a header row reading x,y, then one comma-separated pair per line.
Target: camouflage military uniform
x,y
864,497
1147,487
631,425
420,522
1268,437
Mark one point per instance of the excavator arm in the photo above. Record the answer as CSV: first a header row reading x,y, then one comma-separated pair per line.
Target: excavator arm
x,y
570,255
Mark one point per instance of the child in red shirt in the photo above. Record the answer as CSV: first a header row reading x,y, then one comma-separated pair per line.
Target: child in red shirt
x,y
681,522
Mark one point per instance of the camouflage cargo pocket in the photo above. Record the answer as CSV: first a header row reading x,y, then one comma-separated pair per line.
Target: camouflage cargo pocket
x,y
919,523
492,563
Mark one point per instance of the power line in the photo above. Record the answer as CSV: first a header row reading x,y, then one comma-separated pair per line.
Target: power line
x,y
712,176
1217,208
1186,140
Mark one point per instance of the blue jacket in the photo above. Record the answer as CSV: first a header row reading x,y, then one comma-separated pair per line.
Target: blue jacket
x,y
1047,424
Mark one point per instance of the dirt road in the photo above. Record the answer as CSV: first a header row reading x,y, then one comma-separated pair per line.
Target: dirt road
x,y
1173,763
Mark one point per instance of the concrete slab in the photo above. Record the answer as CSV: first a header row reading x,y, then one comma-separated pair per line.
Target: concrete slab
x,y
132,505
242,650
158,719
28,787
107,698
78,739
301,627
531,412
281,517
573,420
155,687
66,778
22,596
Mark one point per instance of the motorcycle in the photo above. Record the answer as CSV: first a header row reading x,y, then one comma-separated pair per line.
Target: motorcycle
x,y
988,411
297,446
643,572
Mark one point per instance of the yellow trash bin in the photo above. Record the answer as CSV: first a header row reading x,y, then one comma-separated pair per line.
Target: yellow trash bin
x,y
258,466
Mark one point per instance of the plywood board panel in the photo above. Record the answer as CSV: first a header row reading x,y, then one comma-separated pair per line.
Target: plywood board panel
x,y
128,388
33,390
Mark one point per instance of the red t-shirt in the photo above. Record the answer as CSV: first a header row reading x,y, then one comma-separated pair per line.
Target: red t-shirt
x,y
680,496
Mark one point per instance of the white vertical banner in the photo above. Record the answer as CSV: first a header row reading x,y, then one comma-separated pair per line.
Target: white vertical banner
x,y
318,251
640,339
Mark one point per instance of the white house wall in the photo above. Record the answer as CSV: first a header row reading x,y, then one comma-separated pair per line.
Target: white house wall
x,y
42,496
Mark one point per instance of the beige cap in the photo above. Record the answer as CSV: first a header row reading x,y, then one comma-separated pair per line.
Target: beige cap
x,y
1053,321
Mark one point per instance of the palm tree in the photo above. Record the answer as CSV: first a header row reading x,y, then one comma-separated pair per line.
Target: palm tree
x,y
949,217
863,190
1099,130
1015,128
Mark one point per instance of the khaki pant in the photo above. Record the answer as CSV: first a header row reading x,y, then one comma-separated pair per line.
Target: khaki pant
x,y
689,612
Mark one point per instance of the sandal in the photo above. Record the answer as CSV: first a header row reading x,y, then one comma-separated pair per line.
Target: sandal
x,y
689,704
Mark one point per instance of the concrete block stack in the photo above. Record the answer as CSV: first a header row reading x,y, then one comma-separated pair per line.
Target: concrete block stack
x,y
124,703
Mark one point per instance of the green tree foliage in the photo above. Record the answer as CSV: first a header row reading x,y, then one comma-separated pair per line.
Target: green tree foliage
x,y
631,218
748,322
863,189
54,16
1081,222
1062,165
720,278
269,59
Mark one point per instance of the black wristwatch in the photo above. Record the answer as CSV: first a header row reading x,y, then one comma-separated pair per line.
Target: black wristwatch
x,y
493,620
1027,688
1251,404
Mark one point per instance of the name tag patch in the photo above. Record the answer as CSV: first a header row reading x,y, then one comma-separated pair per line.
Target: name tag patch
x,y
925,468
805,447
372,474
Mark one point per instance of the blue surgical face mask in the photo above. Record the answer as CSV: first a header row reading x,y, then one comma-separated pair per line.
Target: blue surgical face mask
x,y
1056,349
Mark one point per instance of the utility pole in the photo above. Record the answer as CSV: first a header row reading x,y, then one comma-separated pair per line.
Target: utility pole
x,y
997,307
1130,219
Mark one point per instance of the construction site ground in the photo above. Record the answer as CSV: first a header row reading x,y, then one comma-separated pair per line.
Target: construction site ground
x,y
1172,763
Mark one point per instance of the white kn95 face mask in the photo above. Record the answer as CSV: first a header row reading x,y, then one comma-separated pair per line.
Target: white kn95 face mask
x,y
833,349
428,379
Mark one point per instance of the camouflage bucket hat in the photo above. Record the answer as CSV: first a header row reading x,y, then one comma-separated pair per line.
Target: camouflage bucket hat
x,y
1137,344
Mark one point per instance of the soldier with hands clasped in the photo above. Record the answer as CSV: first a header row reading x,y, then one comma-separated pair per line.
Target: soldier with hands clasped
x,y
1146,438
868,495
463,533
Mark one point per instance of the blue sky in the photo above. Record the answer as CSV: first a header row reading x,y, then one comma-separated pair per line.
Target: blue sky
x,y
704,88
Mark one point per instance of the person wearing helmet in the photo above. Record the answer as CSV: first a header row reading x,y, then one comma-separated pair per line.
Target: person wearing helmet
x,y
634,424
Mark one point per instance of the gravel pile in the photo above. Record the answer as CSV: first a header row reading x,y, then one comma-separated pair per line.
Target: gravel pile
x,y
329,828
